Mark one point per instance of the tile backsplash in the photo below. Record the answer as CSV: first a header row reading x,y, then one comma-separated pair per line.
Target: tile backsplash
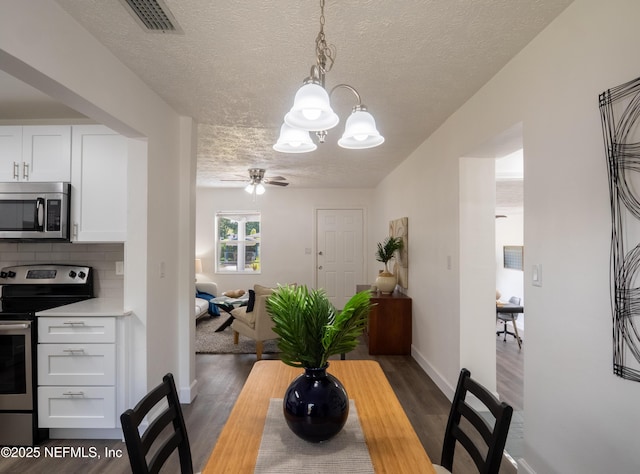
x,y
102,257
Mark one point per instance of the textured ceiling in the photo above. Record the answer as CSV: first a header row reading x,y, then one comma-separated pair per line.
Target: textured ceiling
x,y
238,65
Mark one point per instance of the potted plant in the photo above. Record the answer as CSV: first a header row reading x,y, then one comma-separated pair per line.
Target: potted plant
x,y
386,281
310,331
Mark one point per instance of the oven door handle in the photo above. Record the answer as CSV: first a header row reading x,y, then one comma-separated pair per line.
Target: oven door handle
x,y
40,214
14,326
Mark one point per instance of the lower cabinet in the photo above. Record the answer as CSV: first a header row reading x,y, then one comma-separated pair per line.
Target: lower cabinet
x,y
388,329
77,372
77,407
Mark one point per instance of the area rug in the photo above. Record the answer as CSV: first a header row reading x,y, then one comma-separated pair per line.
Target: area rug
x,y
210,342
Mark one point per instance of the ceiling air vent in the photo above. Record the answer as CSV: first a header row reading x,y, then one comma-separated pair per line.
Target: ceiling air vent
x,y
153,15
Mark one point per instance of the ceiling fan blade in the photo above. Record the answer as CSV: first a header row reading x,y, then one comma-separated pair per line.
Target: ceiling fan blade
x,y
275,178
277,183
234,179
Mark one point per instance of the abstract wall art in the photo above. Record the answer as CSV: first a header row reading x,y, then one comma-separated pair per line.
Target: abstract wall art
x,y
620,116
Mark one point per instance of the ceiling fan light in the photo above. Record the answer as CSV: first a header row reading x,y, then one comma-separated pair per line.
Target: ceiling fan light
x,y
259,189
294,140
360,132
249,188
312,110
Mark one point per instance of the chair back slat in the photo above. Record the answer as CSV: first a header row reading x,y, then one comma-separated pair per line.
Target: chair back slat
x,y
139,446
491,440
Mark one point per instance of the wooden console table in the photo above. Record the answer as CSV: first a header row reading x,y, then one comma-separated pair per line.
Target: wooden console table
x,y
389,329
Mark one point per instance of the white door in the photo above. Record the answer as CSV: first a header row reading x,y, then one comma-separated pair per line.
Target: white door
x,y
340,248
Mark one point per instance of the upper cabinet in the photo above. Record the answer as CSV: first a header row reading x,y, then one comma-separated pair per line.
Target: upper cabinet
x,y
98,185
37,153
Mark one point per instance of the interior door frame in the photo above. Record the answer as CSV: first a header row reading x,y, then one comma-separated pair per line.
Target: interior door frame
x,y
365,238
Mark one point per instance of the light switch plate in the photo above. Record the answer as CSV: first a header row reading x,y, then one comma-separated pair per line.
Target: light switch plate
x,y
536,275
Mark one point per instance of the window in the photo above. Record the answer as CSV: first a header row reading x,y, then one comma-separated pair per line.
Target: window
x,y
513,256
238,242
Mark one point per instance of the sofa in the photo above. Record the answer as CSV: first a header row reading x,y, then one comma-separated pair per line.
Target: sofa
x,y
253,320
202,304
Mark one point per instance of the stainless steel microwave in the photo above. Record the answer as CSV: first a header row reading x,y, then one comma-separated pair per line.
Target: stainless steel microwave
x,y
35,211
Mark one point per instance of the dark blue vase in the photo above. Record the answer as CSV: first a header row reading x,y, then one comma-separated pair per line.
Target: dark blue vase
x,y
316,405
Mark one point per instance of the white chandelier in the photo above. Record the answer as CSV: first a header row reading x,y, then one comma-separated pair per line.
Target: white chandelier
x,y
312,112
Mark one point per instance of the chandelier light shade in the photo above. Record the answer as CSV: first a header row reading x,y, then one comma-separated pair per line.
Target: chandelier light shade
x,y
294,140
312,111
360,131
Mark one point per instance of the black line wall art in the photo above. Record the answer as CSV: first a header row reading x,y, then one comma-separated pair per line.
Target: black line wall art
x,y
620,115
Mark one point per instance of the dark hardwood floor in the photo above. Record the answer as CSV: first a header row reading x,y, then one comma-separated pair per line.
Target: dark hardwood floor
x,y
221,378
510,372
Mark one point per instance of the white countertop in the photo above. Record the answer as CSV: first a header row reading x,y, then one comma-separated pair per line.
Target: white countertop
x,y
91,307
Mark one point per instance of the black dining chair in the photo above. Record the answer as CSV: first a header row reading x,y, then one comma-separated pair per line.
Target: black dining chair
x,y
487,452
139,446
505,318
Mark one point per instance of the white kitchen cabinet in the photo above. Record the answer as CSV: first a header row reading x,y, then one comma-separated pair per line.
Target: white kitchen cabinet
x,y
37,153
99,185
77,372
10,153
76,407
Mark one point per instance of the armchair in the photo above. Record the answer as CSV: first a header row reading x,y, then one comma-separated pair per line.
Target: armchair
x,y
254,322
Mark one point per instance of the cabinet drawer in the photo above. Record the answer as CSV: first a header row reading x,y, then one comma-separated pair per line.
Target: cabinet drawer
x,y
76,407
76,329
76,364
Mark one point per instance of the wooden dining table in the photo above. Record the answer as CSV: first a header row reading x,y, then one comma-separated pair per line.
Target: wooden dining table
x,y
394,446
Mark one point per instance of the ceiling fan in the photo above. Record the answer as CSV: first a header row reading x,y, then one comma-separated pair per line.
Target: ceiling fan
x,y
257,181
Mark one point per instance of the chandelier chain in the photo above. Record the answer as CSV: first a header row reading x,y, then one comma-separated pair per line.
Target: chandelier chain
x,y
325,53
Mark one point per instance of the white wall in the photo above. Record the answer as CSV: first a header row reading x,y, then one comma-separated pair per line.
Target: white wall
x,y
509,231
579,417
41,45
287,229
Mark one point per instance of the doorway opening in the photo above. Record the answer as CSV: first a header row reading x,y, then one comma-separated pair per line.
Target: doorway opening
x,y
480,272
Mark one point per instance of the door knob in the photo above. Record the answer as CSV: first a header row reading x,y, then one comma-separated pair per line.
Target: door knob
x,y
320,253
320,267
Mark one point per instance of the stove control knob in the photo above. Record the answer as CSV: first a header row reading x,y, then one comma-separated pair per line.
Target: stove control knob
x,y
3,274
82,275
72,274
11,274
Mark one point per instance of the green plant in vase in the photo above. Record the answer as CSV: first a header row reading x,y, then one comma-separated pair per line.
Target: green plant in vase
x,y
311,330
387,249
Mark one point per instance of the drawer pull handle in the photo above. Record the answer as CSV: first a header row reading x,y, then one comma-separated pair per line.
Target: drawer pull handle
x,y
73,394
74,351
74,323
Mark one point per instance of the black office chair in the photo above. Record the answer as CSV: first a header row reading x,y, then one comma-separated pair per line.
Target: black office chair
x,y
493,437
505,318
139,447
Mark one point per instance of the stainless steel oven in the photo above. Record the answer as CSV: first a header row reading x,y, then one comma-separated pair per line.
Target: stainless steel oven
x,y
16,372
34,211
17,382
26,290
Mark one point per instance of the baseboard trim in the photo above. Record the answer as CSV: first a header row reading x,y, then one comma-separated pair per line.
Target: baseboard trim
x,y
188,395
526,469
438,379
